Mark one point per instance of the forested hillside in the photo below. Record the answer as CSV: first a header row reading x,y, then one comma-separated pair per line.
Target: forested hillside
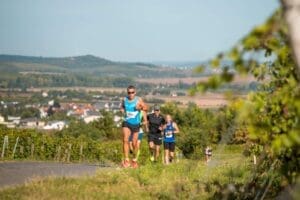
x,y
88,70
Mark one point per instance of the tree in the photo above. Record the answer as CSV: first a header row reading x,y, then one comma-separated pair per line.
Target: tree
x,y
270,114
291,13
106,126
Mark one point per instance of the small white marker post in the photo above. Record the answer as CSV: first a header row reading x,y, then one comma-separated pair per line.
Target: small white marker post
x,y
254,159
5,145
81,151
15,147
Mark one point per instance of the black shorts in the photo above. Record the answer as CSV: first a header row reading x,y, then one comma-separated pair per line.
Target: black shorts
x,y
156,139
170,146
132,128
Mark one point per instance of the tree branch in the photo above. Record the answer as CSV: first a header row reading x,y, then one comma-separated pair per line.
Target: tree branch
x,y
291,12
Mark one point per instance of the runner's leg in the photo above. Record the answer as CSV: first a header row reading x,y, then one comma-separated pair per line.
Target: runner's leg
x,y
130,144
171,151
171,158
134,144
157,143
138,147
126,133
134,163
151,147
157,150
166,156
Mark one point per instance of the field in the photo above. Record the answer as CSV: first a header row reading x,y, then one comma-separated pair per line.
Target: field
x,y
202,100
88,89
187,179
190,80
206,100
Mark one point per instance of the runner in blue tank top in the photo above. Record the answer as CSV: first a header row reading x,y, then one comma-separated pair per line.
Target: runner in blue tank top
x,y
169,131
140,137
131,107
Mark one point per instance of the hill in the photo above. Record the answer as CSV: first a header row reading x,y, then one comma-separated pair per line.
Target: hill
x,y
87,64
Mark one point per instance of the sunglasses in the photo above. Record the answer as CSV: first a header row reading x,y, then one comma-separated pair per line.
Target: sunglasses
x,y
130,92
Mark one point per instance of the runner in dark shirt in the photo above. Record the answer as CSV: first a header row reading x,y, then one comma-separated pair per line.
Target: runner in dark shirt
x,y
156,122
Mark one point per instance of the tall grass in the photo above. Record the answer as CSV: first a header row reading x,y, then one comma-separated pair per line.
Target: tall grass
x,y
188,179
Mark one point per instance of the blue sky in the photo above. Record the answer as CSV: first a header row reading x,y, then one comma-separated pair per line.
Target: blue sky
x,y
128,30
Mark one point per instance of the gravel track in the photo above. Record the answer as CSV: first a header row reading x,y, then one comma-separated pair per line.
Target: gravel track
x,y
15,173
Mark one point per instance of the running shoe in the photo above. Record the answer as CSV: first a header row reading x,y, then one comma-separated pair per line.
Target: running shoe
x,y
152,158
125,164
134,164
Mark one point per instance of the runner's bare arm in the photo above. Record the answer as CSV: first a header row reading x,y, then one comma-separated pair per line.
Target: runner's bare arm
x,y
145,120
162,127
141,105
122,107
176,129
147,125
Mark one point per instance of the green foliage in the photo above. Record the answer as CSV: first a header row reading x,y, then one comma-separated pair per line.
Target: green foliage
x,y
270,116
106,126
42,146
63,80
19,110
199,127
102,129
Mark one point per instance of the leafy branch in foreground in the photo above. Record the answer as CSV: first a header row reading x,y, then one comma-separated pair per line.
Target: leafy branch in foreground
x,y
271,114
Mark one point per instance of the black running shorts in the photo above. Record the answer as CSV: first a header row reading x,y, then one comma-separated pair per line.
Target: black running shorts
x,y
155,138
170,146
132,128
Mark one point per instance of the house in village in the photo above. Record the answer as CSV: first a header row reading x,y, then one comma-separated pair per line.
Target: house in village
x,y
79,111
45,94
32,122
55,125
43,112
118,120
14,119
101,106
91,116
1,119
113,106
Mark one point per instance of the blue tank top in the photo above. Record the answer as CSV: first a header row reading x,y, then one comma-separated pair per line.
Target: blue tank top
x,y
131,113
169,135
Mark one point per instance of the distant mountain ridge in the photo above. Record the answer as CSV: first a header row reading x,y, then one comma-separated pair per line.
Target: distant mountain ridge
x,y
66,62
86,64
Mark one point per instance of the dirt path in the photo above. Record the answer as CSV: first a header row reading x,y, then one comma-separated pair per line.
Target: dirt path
x,y
13,173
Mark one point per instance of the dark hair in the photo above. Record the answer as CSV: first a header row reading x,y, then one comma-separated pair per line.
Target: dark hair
x,y
130,87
